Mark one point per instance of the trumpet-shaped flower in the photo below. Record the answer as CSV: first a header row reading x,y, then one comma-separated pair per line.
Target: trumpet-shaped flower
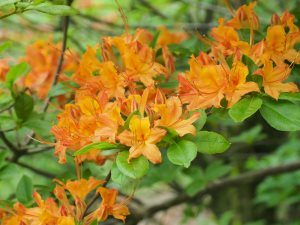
x,y
109,206
171,116
273,78
280,45
237,85
227,42
245,17
203,86
142,139
93,75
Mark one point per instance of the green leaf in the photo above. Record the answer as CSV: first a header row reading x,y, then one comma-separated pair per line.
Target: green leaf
x,y
135,169
118,177
182,153
98,146
290,96
24,190
16,72
245,108
7,2
281,115
23,106
211,143
61,10
249,63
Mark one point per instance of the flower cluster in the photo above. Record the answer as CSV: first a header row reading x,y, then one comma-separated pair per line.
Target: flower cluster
x,y
64,210
119,99
222,72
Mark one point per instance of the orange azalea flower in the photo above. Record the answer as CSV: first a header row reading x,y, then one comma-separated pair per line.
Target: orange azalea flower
x,y
203,86
90,119
138,59
135,102
46,212
142,139
257,53
78,189
93,75
109,206
245,17
273,78
81,188
140,64
287,20
143,36
237,85
66,220
171,117
43,58
15,217
227,42
280,45
207,83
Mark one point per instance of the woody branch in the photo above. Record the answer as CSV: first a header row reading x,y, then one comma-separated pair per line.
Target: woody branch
x,y
248,177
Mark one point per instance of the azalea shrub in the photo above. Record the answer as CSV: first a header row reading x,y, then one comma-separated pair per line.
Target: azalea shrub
x,y
145,108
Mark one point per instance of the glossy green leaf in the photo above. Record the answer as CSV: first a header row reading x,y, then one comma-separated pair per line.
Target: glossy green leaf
x,y
98,146
245,108
135,169
123,182
24,190
182,153
290,96
281,115
211,143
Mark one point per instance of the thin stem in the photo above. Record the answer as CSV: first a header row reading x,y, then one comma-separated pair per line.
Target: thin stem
x,y
37,171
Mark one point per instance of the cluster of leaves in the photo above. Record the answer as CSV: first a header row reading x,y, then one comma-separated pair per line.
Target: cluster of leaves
x,y
131,107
